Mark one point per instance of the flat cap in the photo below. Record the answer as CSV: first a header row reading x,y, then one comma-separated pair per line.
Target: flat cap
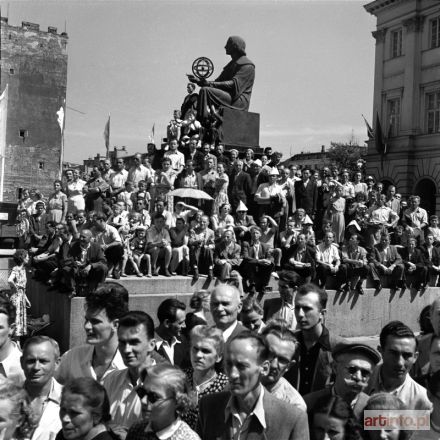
x,y
356,347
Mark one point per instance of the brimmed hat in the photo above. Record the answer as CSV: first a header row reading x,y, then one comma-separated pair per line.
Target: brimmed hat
x,y
274,172
241,207
370,178
258,162
356,347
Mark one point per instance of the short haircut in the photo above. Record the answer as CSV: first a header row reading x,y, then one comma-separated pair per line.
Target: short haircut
x,y
197,298
136,318
158,216
94,394
51,223
313,288
168,309
256,228
396,329
20,256
250,304
111,297
289,277
280,328
256,341
100,216
41,339
211,333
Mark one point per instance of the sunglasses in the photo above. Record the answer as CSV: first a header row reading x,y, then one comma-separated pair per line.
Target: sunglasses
x,y
151,397
364,373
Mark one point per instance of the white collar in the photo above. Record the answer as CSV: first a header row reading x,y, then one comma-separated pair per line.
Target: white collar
x,y
167,432
228,332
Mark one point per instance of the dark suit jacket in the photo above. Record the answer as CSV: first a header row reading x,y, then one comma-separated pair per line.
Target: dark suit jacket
x,y
435,259
248,251
198,159
181,354
379,255
416,257
308,256
182,175
306,198
241,187
94,253
322,369
312,399
232,254
283,421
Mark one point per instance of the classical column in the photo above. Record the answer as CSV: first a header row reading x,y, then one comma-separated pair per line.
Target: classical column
x,y
410,105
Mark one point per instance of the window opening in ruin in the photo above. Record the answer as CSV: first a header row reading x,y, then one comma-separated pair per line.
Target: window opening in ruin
x,y
11,71
23,133
41,165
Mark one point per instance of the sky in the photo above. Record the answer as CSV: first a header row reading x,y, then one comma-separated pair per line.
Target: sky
x,y
314,66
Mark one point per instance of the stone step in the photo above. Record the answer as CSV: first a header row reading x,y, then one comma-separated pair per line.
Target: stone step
x,y
169,285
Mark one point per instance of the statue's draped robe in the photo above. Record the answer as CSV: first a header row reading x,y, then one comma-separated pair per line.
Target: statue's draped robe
x,y
233,88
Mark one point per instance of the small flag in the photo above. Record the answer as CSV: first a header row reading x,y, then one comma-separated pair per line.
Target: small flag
x,y
381,145
60,118
107,134
151,137
370,132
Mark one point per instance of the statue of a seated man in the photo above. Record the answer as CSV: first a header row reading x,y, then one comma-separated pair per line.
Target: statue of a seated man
x,y
233,88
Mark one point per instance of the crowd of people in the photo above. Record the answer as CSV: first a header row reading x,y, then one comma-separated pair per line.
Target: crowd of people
x,y
254,373
266,369
246,216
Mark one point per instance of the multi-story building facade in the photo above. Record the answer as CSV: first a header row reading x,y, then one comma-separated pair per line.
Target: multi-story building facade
x,y
34,67
407,97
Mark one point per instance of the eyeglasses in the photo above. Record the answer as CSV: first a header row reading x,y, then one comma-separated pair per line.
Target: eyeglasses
x,y
353,370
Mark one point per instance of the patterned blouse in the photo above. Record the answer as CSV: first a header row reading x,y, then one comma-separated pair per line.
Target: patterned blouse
x,y
219,383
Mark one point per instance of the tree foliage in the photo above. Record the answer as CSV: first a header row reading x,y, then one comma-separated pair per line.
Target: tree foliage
x,y
345,155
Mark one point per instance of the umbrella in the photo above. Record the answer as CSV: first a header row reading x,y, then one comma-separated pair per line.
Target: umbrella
x,y
190,193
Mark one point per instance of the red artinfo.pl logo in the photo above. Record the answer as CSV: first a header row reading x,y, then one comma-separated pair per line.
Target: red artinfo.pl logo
x,y
412,420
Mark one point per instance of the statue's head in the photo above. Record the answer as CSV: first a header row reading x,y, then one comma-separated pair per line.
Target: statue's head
x,y
235,44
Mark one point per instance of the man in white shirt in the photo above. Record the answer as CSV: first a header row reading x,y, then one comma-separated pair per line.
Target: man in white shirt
x,y
118,178
136,345
225,307
100,356
41,356
415,219
176,157
138,172
248,410
10,354
282,343
398,347
170,342
110,241
328,261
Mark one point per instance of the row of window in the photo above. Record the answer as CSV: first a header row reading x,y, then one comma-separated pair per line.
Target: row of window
x,y
397,38
432,114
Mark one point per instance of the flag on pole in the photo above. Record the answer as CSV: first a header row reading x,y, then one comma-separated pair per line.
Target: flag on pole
x,y
107,135
380,141
370,132
60,118
151,137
